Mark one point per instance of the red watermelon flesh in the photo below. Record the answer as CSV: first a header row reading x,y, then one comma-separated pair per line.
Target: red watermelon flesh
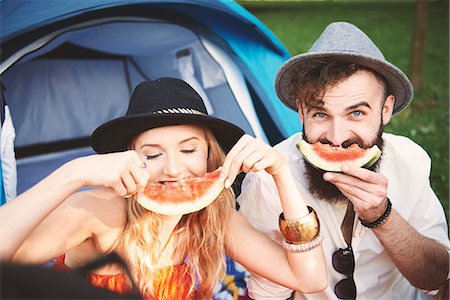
x,y
331,158
183,196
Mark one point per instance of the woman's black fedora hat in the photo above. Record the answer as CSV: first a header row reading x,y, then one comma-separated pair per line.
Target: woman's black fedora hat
x,y
156,103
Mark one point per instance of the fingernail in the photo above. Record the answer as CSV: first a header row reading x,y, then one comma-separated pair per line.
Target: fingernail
x,y
344,168
227,183
327,176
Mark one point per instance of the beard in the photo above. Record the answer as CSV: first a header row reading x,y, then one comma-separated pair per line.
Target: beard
x,y
325,190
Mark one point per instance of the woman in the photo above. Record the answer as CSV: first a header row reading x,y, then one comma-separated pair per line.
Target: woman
x,y
165,136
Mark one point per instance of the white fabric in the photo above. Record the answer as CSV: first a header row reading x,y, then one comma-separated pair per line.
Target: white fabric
x,y
407,167
187,71
8,157
236,81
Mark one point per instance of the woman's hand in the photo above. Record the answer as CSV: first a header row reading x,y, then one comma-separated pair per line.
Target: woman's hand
x,y
122,172
251,154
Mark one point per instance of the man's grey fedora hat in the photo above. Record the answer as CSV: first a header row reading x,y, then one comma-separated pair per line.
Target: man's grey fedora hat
x,y
348,43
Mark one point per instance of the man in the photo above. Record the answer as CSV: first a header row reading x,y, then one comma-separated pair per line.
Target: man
x,y
385,232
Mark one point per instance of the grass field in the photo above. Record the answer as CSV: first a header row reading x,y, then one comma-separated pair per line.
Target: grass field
x,y
390,25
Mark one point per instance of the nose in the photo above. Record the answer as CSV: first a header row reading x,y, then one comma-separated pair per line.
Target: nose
x,y
338,132
173,167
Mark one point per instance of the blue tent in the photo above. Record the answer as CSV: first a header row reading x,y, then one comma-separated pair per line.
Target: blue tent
x,y
68,66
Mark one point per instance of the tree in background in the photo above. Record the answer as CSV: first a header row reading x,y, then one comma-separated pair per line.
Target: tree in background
x,y
419,42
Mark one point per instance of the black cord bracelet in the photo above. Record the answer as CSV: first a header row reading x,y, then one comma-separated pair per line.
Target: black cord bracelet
x,y
382,219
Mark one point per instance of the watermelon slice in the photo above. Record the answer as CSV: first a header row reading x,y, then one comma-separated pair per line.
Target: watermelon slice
x,y
330,158
183,196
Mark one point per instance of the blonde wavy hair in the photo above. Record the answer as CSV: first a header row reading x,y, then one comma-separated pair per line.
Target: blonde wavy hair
x,y
200,237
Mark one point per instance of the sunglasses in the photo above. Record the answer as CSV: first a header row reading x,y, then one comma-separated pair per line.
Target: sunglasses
x,y
344,263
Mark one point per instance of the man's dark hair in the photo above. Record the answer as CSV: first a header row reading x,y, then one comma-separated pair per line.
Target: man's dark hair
x,y
314,77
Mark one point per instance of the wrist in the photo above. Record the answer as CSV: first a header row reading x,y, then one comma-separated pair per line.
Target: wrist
x,y
378,222
282,172
379,213
72,175
301,235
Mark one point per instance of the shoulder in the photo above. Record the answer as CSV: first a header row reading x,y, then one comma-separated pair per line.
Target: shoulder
x,y
403,145
401,150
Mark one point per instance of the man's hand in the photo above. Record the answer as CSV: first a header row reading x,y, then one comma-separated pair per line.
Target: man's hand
x,y
366,189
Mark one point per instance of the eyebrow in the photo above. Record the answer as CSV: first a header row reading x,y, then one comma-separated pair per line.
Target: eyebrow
x,y
315,107
362,103
181,142
324,109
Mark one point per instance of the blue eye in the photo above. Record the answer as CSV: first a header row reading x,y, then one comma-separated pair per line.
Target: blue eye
x,y
356,113
320,115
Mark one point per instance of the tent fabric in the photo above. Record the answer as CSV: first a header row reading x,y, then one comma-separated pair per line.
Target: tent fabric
x,y
252,42
21,16
232,56
87,78
58,119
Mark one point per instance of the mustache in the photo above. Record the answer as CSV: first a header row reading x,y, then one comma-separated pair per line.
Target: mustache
x,y
345,144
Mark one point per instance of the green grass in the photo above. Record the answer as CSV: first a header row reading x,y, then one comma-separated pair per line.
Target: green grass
x,y
390,25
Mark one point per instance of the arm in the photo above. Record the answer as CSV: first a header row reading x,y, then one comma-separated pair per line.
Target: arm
x,y
405,245
259,204
120,171
303,271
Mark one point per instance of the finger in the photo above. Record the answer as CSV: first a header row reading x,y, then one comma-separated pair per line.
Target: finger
x,y
243,159
137,160
129,184
342,178
138,170
363,174
255,159
251,155
243,141
262,164
375,189
358,196
119,189
260,159
366,205
140,177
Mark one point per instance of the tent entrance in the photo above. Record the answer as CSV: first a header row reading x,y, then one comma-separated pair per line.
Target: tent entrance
x,y
60,92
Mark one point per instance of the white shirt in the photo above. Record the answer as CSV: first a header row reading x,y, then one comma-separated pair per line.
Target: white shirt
x,y
407,168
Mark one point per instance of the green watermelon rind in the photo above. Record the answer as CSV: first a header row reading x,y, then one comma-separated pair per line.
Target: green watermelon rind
x,y
371,155
373,160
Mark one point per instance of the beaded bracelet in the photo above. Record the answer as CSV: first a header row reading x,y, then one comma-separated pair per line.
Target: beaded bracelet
x,y
296,248
382,219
